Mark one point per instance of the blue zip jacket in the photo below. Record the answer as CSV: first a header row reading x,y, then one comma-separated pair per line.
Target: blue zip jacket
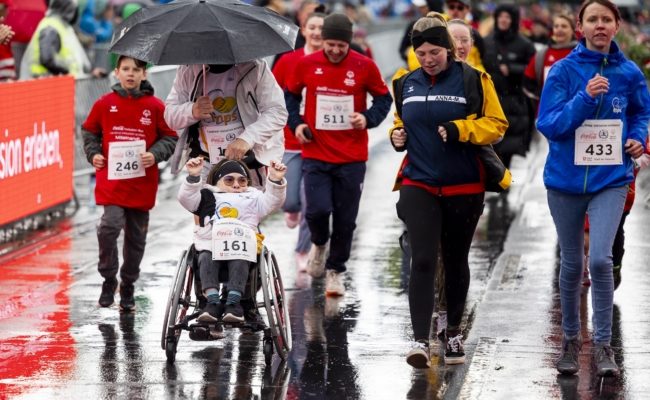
x,y
565,105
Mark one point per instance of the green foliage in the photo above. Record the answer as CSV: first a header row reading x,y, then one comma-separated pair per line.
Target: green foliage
x,y
637,52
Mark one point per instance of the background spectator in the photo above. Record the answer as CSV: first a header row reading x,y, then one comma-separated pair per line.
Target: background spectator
x,y
54,48
96,31
23,16
506,56
7,65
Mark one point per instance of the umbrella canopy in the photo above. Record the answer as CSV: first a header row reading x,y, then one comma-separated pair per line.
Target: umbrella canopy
x,y
203,32
143,3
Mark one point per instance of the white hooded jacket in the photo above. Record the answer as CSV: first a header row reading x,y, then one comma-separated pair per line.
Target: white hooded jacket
x,y
261,107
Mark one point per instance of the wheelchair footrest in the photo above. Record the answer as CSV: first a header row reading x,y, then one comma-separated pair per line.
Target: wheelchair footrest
x,y
204,332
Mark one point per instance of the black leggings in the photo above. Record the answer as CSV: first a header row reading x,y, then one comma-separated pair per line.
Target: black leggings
x,y
445,224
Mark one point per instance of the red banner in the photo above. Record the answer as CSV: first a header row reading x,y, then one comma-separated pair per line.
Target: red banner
x,y
36,145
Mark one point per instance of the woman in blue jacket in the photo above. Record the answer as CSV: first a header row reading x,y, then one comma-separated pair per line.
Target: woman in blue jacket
x,y
594,111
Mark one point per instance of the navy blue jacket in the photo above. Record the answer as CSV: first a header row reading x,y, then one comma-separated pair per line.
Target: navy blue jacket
x,y
425,106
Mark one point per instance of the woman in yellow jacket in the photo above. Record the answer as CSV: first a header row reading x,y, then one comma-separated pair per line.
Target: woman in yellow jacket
x,y
446,111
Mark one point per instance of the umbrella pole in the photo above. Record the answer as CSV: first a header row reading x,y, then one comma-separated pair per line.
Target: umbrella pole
x,y
204,79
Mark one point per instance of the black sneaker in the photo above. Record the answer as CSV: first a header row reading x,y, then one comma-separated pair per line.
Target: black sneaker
x,y
234,313
617,276
605,363
127,302
211,313
107,298
455,352
568,363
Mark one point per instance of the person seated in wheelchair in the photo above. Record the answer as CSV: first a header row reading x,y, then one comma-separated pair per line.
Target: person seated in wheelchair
x,y
229,211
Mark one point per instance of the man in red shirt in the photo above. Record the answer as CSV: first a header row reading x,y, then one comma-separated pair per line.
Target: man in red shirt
x,y
334,134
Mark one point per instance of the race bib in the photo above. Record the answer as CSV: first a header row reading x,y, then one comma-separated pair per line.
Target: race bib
x,y
233,240
124,160
599,142
333,112
218,138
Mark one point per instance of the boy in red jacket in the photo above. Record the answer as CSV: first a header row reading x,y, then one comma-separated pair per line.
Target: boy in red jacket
x,y
125,137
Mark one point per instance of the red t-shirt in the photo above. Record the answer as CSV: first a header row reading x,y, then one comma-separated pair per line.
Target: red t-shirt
x,y
282,70
356,75
551,57
120,119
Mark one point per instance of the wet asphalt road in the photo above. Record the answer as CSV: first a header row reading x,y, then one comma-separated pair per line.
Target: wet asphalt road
x,y
55,342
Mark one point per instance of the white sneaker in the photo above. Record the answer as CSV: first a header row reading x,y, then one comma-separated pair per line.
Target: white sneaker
x,y
292,219
334,283
301,261
419,357
316,260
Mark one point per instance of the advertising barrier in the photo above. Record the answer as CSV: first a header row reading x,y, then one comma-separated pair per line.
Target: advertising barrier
x,y
36,146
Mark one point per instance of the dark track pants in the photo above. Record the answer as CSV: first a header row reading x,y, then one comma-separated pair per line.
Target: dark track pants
x,y
333,190
135,224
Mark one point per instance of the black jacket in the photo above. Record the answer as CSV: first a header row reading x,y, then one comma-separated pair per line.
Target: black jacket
x,y
513,50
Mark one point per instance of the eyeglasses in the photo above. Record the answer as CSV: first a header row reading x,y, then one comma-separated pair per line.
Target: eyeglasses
x,y
456,6
230,180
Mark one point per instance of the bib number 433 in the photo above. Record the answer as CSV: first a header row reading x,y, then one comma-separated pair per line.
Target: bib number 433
x,y
599,142
599,150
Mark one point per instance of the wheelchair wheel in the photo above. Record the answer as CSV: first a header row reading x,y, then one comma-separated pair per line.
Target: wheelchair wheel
x,y
268,351
177,304
179,266
276,309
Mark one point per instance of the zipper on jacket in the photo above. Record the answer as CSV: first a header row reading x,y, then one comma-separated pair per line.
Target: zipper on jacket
x,y
603,64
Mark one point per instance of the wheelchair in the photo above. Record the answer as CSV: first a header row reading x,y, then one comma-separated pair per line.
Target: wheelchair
x,y
186,301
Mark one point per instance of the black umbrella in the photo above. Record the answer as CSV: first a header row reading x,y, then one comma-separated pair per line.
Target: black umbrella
x,y
203,32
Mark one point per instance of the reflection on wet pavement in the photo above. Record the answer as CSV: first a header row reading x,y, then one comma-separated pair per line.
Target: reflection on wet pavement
x,y
34,319
344,348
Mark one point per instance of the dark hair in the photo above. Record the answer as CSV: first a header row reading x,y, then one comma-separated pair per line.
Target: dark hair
x,y
605,3
138,63
210,180
316,14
